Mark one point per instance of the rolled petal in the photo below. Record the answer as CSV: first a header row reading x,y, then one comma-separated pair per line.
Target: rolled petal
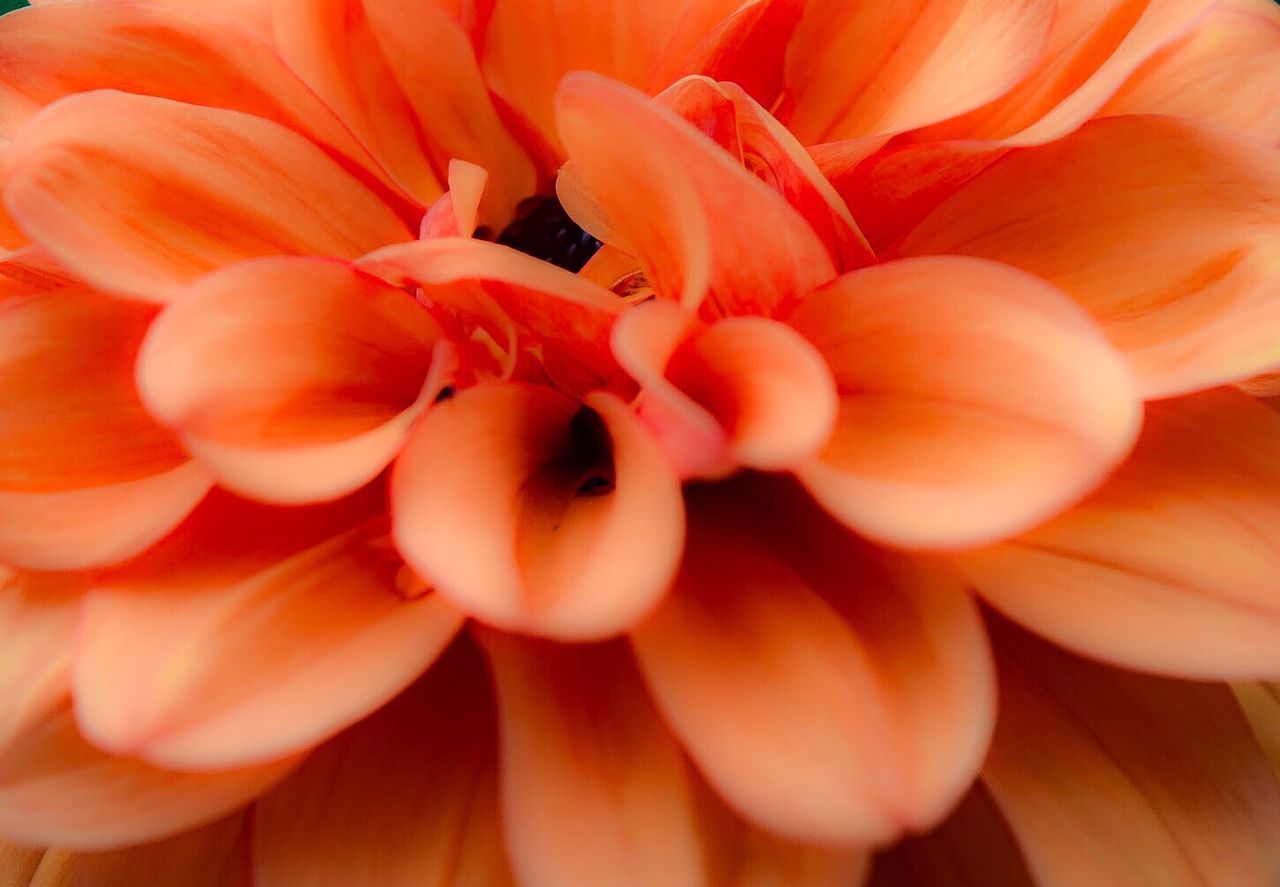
x,y
537,514
456,214
113,203
1093,47
1176,260
975,401
407,796
742,391
251,633
1171,565
859,69
828,694
1167,785
57,790
591,781
666,189
749,48
313,421
1234,50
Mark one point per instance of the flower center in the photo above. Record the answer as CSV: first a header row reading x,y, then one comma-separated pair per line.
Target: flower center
x,y
543,229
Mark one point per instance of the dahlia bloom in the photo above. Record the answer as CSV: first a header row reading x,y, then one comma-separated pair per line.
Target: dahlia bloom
x,y
691,442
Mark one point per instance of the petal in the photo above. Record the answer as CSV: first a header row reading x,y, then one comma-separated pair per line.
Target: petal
x,y
1177,261
261,190
749,48
1235,51
591,781
536,514
38,615
1261,705
407,796
56,789
311,422
18,865
1092,48
251,633
829,694
859,69
666,188
744,390
1166,784
456,213
975,401
215,855
1171,565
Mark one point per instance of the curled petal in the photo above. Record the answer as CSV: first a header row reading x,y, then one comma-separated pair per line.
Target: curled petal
x,y
829,694
975,401
749,48
456,213
262,190
251,633
538,514
1171,565
591,781
312,421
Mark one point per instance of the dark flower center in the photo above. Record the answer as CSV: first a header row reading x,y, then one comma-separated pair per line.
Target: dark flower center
x,y
543,229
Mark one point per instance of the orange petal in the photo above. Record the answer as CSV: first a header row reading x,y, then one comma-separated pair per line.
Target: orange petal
x,y
538,514
113,203
1171,565
56,789
310,422
456,214
749,48
594,790
745,390
976,401
1261,705
38,623
407,796
1109,777
859,69
215,855
1176,260
1092,49
1233,51
666,188
18,865
829,694
251,633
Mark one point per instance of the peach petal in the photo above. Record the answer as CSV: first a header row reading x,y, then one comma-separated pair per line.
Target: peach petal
x,y
829,695
749,48
538,514
1233,51
1171,565
976,401
1093,47
407,796
252,633
456,214
859,69
666,187
745,390
1196,204
262,189
592,784
1167,785
56,789
311,422
18,864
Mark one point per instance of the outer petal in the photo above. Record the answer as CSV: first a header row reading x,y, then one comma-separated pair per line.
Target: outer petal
x,y
1177,260
407,796
535,514
1167,786
592,783
253,632
829,695
113,203
702,225
1171,565
56,789
86,476
975,401
859,69
1234,51
312,421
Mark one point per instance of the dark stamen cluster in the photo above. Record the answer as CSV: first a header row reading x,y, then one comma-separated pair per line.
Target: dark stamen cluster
x,y
543,229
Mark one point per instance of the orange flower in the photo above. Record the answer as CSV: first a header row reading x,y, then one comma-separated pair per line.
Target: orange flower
x,y
556,443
